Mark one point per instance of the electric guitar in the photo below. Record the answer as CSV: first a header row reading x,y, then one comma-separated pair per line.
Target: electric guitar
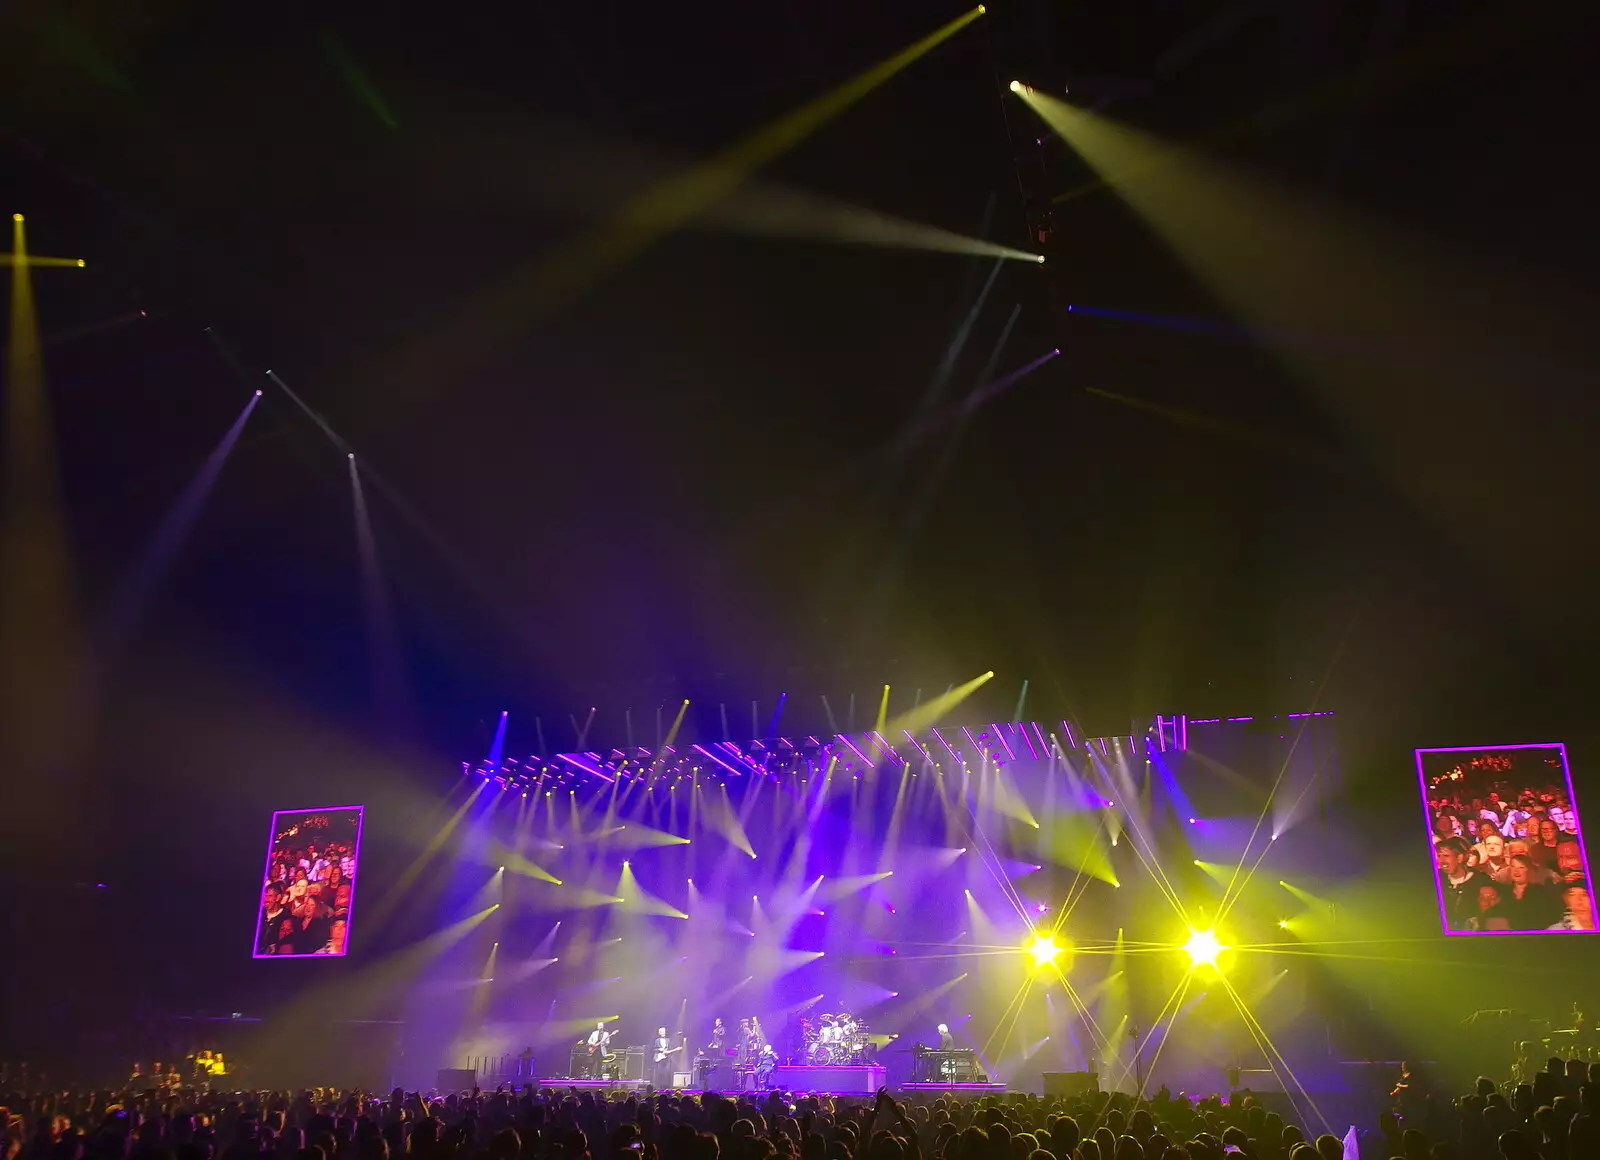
x,y
663,1056
599,1048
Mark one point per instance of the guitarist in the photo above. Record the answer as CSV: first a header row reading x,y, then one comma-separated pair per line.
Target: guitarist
x,y
663,1053
598,1039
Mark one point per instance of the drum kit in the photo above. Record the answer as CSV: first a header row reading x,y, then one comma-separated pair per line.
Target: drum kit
x,y
836,1040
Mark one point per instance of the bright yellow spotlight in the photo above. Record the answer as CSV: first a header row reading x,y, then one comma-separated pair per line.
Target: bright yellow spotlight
x,y
82,263
1044,949
1016,86
16,217
1203,948
1283,924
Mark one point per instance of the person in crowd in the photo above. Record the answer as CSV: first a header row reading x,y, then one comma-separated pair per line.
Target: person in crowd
x,y
273,914
1529,905
1489,856
1569,859
1538,875
1578,904
1490,917
1458,883
1545,851
1481,829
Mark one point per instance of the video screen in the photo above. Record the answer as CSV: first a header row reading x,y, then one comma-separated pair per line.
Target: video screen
x,y
310,883
1508,849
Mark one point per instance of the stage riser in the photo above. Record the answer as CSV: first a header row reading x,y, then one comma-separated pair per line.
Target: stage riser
x,y
834,1080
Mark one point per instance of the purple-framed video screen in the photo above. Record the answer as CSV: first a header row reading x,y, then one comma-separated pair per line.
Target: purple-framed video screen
x,y
1508,852
309,886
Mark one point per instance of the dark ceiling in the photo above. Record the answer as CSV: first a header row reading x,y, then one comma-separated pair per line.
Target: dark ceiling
x,y
688,479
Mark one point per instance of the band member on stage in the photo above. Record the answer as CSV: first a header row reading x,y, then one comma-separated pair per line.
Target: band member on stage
x,y
947,1042
598,1039
766,1064
661,1073
719,1039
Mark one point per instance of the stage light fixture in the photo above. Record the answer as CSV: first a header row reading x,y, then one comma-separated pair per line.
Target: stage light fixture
x,y
1016,86
1203,948
1044,949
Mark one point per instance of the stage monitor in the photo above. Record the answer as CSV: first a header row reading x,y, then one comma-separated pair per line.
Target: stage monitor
x,y
309,885
1508,851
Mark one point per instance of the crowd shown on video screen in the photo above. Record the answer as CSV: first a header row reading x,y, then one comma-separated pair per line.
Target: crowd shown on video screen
x,y
1508,852
305,903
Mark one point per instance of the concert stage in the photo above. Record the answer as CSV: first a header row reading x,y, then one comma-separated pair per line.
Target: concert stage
x,y
833,1081
764,932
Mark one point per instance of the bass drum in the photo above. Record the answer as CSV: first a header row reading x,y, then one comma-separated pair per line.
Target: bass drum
x,y
820,1053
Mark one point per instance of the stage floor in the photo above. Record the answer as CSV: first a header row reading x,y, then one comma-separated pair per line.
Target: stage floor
x,y
953,1087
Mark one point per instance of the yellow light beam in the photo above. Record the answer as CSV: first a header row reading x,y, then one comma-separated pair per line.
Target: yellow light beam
x,y
637,900
883,711
19,259
768,210
1404,322
43,662
1271,1051
662,207
927,714
1177,1009
677,723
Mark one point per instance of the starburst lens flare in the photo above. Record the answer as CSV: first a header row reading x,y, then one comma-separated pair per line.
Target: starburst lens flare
x,y
1203,948
1044,950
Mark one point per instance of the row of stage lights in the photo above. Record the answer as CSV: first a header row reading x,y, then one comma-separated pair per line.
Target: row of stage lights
x,y
781,758
1202,946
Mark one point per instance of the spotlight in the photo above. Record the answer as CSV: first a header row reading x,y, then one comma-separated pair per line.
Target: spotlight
x,y
351,455
1192,822
1015,86
1040,259
1044,949
82,263
1283,924
1203,948
16,217
258,394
